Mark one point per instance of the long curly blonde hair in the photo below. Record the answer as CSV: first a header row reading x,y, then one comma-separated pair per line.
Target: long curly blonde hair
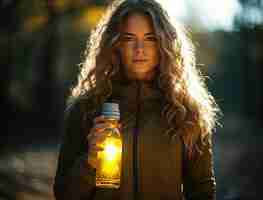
x,y
190,110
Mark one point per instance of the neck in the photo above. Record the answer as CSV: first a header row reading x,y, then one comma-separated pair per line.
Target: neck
x,y
149,76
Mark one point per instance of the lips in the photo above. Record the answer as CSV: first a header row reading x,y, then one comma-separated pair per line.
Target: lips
x,y
139,60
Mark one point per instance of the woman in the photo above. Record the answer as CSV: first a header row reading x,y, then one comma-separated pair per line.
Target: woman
x,y
139,58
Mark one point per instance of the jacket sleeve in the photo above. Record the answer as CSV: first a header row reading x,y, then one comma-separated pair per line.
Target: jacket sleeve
x,y
75,179
199,178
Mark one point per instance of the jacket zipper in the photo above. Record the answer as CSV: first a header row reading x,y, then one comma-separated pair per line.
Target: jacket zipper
x,y
135,143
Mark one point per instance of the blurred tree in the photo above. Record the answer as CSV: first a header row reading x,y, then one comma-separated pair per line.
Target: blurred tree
x,y
8,28
250,25
251,14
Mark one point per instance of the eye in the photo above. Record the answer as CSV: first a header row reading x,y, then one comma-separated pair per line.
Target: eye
x,y
127,38
151,38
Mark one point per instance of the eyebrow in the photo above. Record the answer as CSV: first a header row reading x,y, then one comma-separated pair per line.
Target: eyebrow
x,y
131,34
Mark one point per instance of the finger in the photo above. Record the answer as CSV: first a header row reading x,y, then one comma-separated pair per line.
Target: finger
x,y
91,135
99,119
95,148
97,140
98,137
98,128
103,125
96,132
92,141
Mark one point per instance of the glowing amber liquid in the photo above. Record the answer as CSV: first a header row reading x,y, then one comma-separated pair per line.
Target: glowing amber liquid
x,y
109,162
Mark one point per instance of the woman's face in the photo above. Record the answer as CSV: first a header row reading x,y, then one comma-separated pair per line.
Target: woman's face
x,y
139,47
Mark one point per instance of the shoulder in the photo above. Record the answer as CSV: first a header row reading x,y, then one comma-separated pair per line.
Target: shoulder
x,y
80,107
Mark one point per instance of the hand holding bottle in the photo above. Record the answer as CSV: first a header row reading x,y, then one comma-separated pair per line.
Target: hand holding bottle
x,y
105,147
95,139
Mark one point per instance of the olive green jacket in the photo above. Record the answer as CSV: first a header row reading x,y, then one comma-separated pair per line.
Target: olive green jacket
x,y
164,172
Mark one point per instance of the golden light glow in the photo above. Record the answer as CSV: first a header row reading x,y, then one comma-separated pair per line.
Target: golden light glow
x,y
110,158
34,23
111,151
89,18
62,5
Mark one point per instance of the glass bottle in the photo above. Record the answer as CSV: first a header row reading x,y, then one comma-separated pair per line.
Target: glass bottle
x,y
109,160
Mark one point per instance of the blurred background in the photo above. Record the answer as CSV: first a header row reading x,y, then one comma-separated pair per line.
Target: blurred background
x,y
42,43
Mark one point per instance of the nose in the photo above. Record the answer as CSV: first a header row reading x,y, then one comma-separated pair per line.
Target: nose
x,y
139,47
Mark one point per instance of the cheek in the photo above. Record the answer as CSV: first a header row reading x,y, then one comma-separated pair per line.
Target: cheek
x,y
155,55
126,55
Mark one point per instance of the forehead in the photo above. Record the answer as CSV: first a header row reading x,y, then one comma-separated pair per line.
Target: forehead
x,y
137,22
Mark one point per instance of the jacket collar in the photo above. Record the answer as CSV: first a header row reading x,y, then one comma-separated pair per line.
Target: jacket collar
x,y
134,90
